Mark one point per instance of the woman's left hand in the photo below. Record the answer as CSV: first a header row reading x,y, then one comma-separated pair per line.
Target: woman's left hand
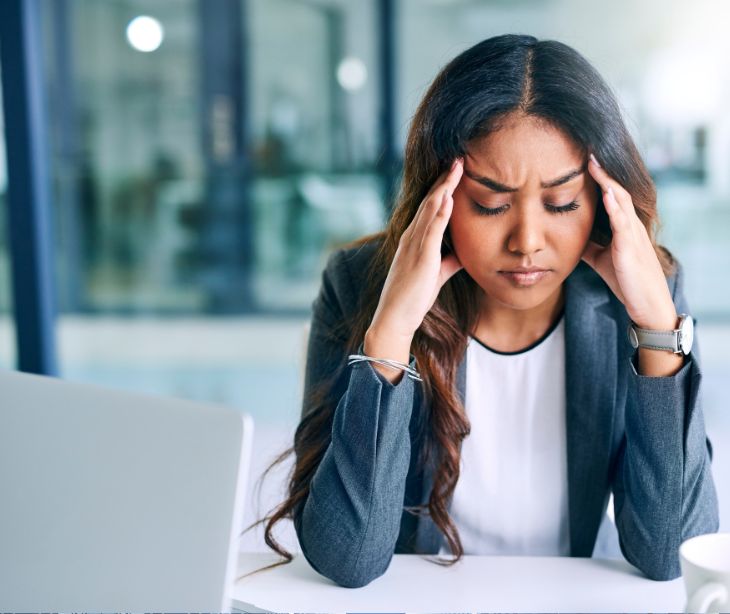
x,y
629,264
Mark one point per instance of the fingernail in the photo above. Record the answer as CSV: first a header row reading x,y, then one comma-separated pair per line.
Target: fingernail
x,y
454,163
595,161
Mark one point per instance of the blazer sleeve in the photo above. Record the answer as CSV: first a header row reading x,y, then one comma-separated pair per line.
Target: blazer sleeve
x,y
349,523
663,487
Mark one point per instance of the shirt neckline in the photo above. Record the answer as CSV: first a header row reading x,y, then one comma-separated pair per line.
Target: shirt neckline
x,y
532,346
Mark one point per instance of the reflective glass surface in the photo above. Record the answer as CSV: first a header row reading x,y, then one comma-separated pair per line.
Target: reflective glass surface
x,y
7,325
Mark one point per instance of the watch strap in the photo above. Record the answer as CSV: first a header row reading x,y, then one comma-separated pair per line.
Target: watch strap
x,y
658,339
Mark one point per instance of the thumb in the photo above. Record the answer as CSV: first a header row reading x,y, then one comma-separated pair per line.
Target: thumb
x,y
450,265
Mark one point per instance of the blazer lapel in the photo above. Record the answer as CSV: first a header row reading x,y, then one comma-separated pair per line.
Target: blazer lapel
x,y
591,339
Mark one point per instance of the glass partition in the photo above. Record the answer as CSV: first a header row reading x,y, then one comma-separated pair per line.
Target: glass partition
x,y
7,323
205,158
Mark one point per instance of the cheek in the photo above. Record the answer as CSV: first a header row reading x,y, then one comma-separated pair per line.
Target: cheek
x,y
570,234
582,225
575,227
469,235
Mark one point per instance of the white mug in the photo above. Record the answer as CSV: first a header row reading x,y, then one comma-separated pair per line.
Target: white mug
x,y
705,562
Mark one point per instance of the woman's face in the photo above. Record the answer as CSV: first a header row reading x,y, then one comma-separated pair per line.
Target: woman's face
x,y
503,220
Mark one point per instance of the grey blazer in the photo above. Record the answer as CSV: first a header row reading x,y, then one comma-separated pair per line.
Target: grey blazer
x,y
642,438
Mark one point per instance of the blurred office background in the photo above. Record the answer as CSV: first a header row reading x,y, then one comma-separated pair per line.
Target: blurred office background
x,y
204,156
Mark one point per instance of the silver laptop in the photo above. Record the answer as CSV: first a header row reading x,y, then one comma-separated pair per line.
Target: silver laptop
x,y
117,501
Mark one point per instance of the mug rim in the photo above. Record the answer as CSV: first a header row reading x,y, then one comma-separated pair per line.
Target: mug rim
x,y
688,543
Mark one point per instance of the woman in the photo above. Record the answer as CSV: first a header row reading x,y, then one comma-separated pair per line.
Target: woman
x,y
470,384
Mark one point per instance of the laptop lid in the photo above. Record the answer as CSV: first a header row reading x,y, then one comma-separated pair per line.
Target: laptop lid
x,y
117,501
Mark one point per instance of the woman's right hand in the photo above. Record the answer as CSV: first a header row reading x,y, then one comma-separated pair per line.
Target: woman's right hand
x,y
418,270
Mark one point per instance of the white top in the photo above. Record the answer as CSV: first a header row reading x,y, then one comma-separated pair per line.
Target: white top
x,y
512,494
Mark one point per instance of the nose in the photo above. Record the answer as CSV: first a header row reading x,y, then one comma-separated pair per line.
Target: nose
x,y
527,235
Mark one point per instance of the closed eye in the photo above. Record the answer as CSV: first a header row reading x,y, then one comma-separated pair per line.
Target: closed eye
x,y
571,206
482,210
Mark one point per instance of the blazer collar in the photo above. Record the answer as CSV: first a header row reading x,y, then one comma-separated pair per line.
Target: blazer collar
x,y
591,384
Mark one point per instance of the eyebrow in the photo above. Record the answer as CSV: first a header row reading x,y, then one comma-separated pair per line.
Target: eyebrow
x,y
500,187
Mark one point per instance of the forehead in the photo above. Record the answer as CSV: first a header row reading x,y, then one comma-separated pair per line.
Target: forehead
x,y
524,145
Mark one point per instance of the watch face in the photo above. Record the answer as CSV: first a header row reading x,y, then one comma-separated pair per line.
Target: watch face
x,y
633,339
686,334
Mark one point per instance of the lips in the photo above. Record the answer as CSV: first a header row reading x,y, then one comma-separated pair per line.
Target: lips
x,y
525,277
531,269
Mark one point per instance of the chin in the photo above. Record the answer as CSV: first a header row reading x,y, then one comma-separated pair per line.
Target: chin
x,y
520,301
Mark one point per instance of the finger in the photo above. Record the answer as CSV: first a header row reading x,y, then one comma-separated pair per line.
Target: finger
x,y
620,196
617,217
454,177
433,234
440,191
427,201
605,180
450,265
443,178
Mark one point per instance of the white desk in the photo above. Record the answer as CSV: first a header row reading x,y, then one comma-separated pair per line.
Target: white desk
x,y
475,584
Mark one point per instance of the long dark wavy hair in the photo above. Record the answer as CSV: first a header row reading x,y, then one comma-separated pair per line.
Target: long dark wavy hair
x,y
467,100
